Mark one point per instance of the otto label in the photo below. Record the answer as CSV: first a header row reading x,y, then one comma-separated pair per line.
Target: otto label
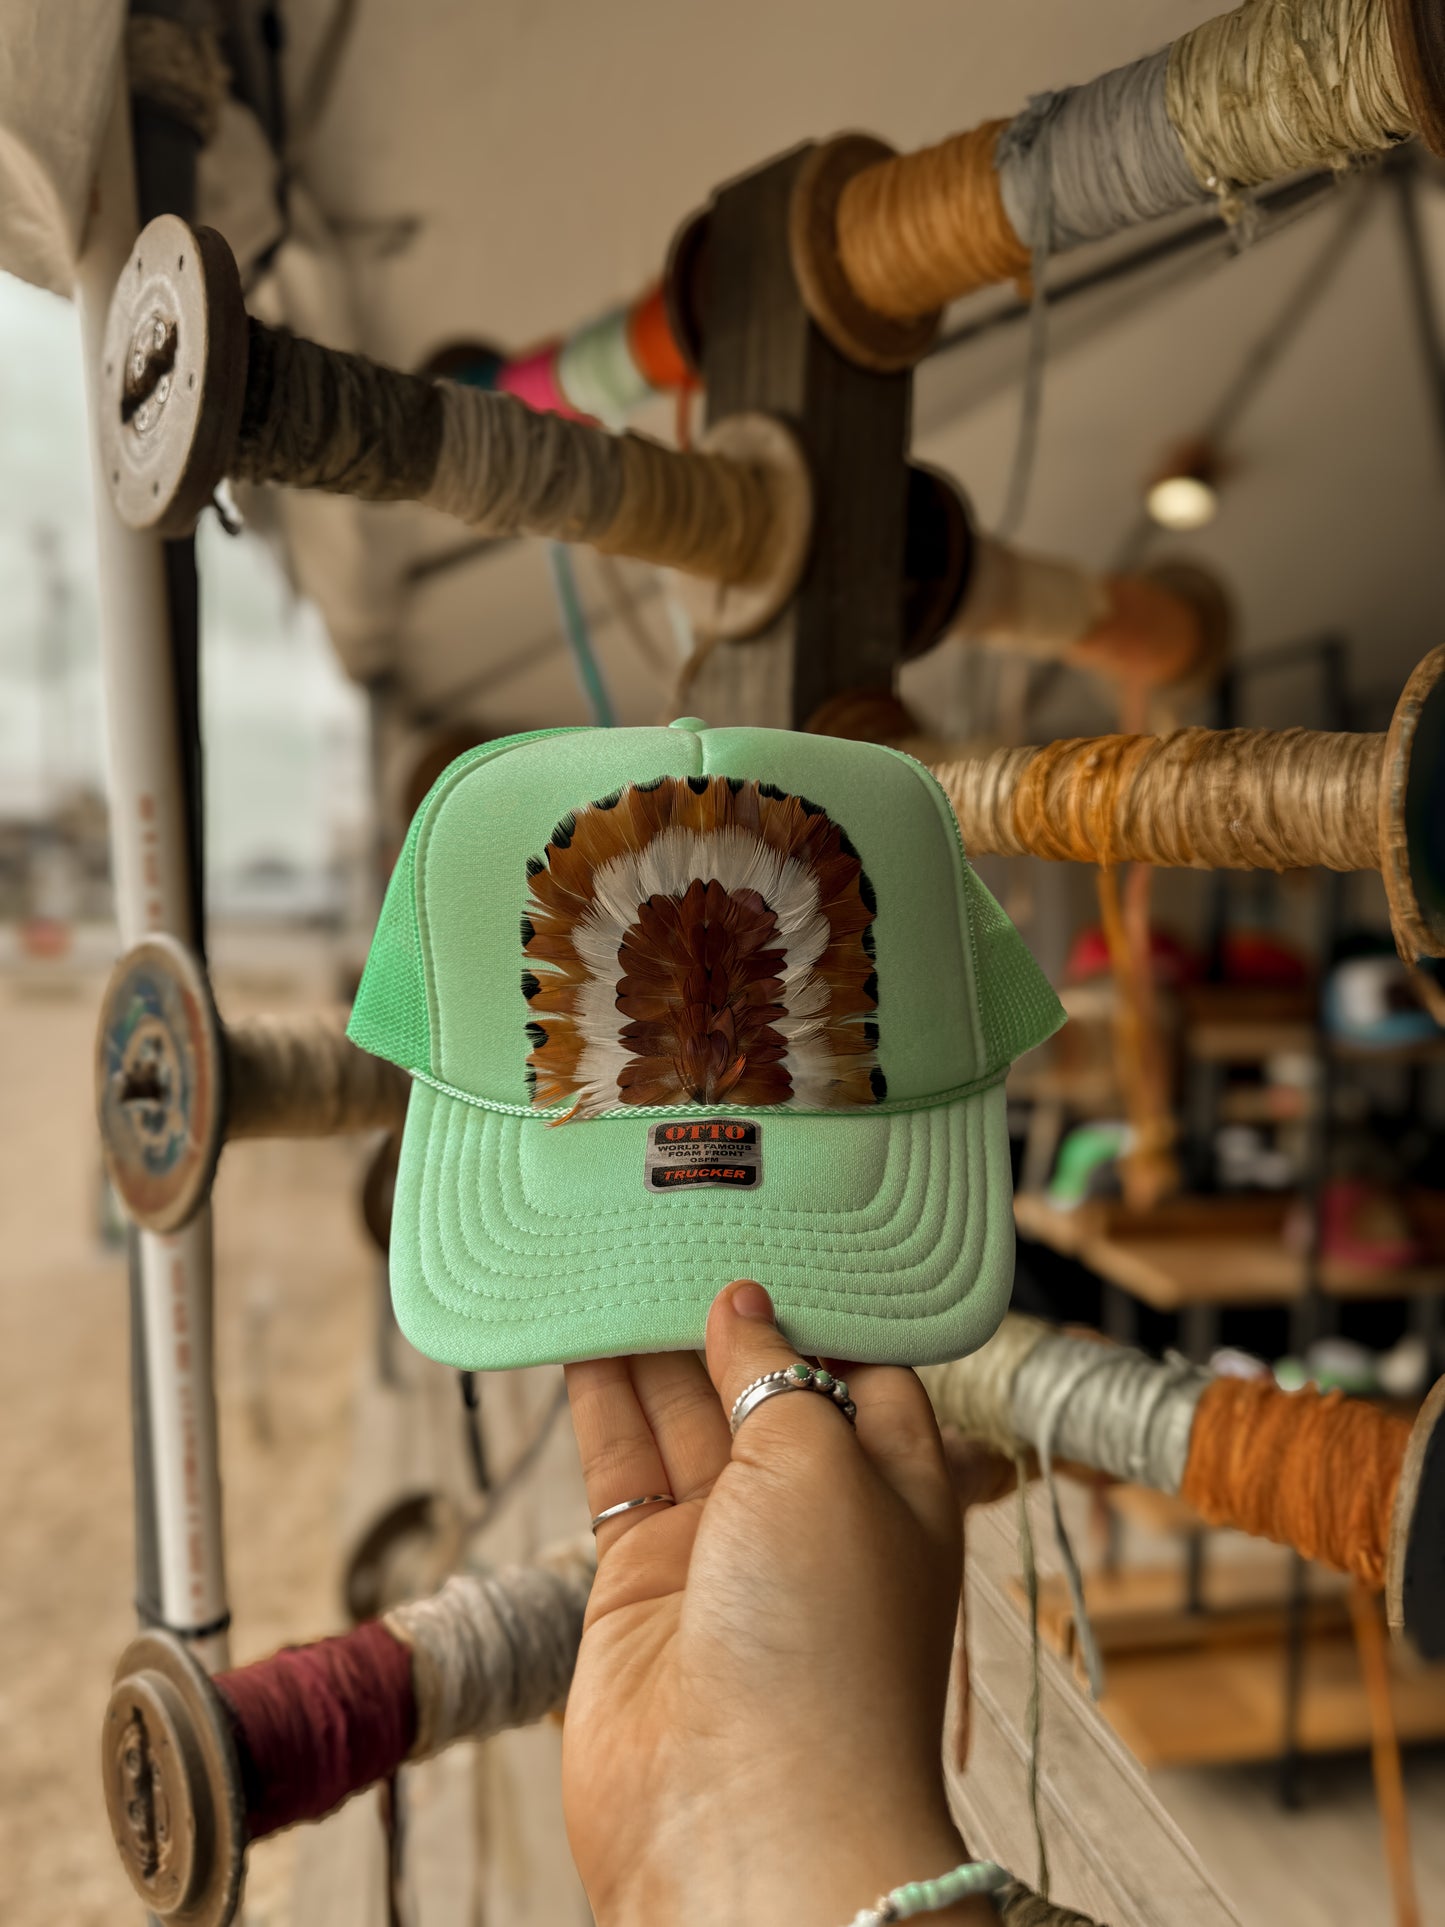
x,y
708,1150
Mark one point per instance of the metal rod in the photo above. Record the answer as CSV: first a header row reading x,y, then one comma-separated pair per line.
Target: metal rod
x,y
177,1458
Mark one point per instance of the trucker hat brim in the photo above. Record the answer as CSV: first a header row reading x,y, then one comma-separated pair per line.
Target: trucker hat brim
x,y
516,1241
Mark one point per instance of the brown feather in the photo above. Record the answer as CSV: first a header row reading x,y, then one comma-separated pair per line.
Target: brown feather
x,y
700,975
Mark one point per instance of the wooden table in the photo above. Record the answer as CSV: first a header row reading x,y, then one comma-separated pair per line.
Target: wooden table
x,y
1194,1256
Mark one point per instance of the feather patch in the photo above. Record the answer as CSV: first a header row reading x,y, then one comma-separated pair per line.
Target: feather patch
x,y
700,940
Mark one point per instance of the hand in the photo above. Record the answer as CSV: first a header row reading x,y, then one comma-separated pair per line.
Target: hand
x,y
753,1732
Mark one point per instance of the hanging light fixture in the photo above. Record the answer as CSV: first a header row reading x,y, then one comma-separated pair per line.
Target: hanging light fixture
x,y
1184,492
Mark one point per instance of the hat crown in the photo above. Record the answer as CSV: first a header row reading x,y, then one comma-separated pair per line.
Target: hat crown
x,y
585,921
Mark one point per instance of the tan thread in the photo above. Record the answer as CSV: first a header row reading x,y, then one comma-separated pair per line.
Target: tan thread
x,y
303,1077
1031,604
917,232
1280,85
316,418
1234,799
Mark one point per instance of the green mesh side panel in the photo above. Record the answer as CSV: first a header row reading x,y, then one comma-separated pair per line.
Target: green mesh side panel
x,y
1017,1001
389,1017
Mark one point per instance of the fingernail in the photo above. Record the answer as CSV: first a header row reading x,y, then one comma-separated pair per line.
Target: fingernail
x,y
751,1301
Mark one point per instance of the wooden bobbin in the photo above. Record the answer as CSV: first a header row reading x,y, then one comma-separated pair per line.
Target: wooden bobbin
x,y
869,339
173,1788
173,370
1417,35
1415,1561
684,287
160,1075
737,611
938,558
172,1083
1412,813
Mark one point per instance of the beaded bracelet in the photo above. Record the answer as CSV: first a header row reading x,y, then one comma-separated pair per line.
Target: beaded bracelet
x,y
931,1896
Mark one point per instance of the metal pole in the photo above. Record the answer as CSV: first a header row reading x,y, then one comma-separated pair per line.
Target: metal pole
x,y
181,1568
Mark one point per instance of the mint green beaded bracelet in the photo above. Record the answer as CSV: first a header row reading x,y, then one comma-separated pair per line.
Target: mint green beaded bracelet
x,y
931,1896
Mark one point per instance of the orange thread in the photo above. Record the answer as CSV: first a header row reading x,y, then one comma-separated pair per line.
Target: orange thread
x,y
650,337
1385,1754
1209,799
917,232
1150,637
1316,1471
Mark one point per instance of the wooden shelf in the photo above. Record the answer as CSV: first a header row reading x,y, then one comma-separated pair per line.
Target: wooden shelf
x,y
1207,1251
1144,1608
1207,1689
1221,1704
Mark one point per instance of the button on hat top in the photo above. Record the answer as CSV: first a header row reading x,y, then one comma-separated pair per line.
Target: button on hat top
x,y
694,723
700,940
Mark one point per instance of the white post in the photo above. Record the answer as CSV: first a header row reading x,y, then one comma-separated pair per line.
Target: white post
x,y
150,855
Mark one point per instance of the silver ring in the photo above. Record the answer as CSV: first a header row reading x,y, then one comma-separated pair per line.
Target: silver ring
x,y
793,1378
631,1505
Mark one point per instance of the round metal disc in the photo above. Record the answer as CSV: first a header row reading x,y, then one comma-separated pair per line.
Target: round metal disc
x,y
159,1083
173,1785
735,611
1412,813
869,339
1415,1569
173,376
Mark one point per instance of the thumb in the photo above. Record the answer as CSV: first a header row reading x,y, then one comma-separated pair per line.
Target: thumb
x,y
743,1342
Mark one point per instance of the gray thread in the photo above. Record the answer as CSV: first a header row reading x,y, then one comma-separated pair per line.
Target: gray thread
x,y
1114,159
494,1653
316,418
1034,1712
1038,166
1118,1411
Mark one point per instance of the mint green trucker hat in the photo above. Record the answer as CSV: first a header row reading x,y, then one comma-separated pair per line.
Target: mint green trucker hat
x,y
686,1005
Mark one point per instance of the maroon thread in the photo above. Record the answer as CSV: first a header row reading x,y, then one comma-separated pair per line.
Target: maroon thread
x,y
316,1724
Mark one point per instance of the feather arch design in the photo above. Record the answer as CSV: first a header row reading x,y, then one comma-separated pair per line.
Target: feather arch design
x,y
700,940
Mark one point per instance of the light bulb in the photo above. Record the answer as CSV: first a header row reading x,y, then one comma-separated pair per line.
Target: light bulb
x,y
1182,502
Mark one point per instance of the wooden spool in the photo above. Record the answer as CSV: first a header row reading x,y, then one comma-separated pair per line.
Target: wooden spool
x,y
1412,813
737,611
172,1083
173,1789
1415,1563
869,339
173,373
938,558
1398,826
1417,33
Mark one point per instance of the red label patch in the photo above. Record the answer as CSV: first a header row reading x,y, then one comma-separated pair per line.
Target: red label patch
x,y
726,1151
